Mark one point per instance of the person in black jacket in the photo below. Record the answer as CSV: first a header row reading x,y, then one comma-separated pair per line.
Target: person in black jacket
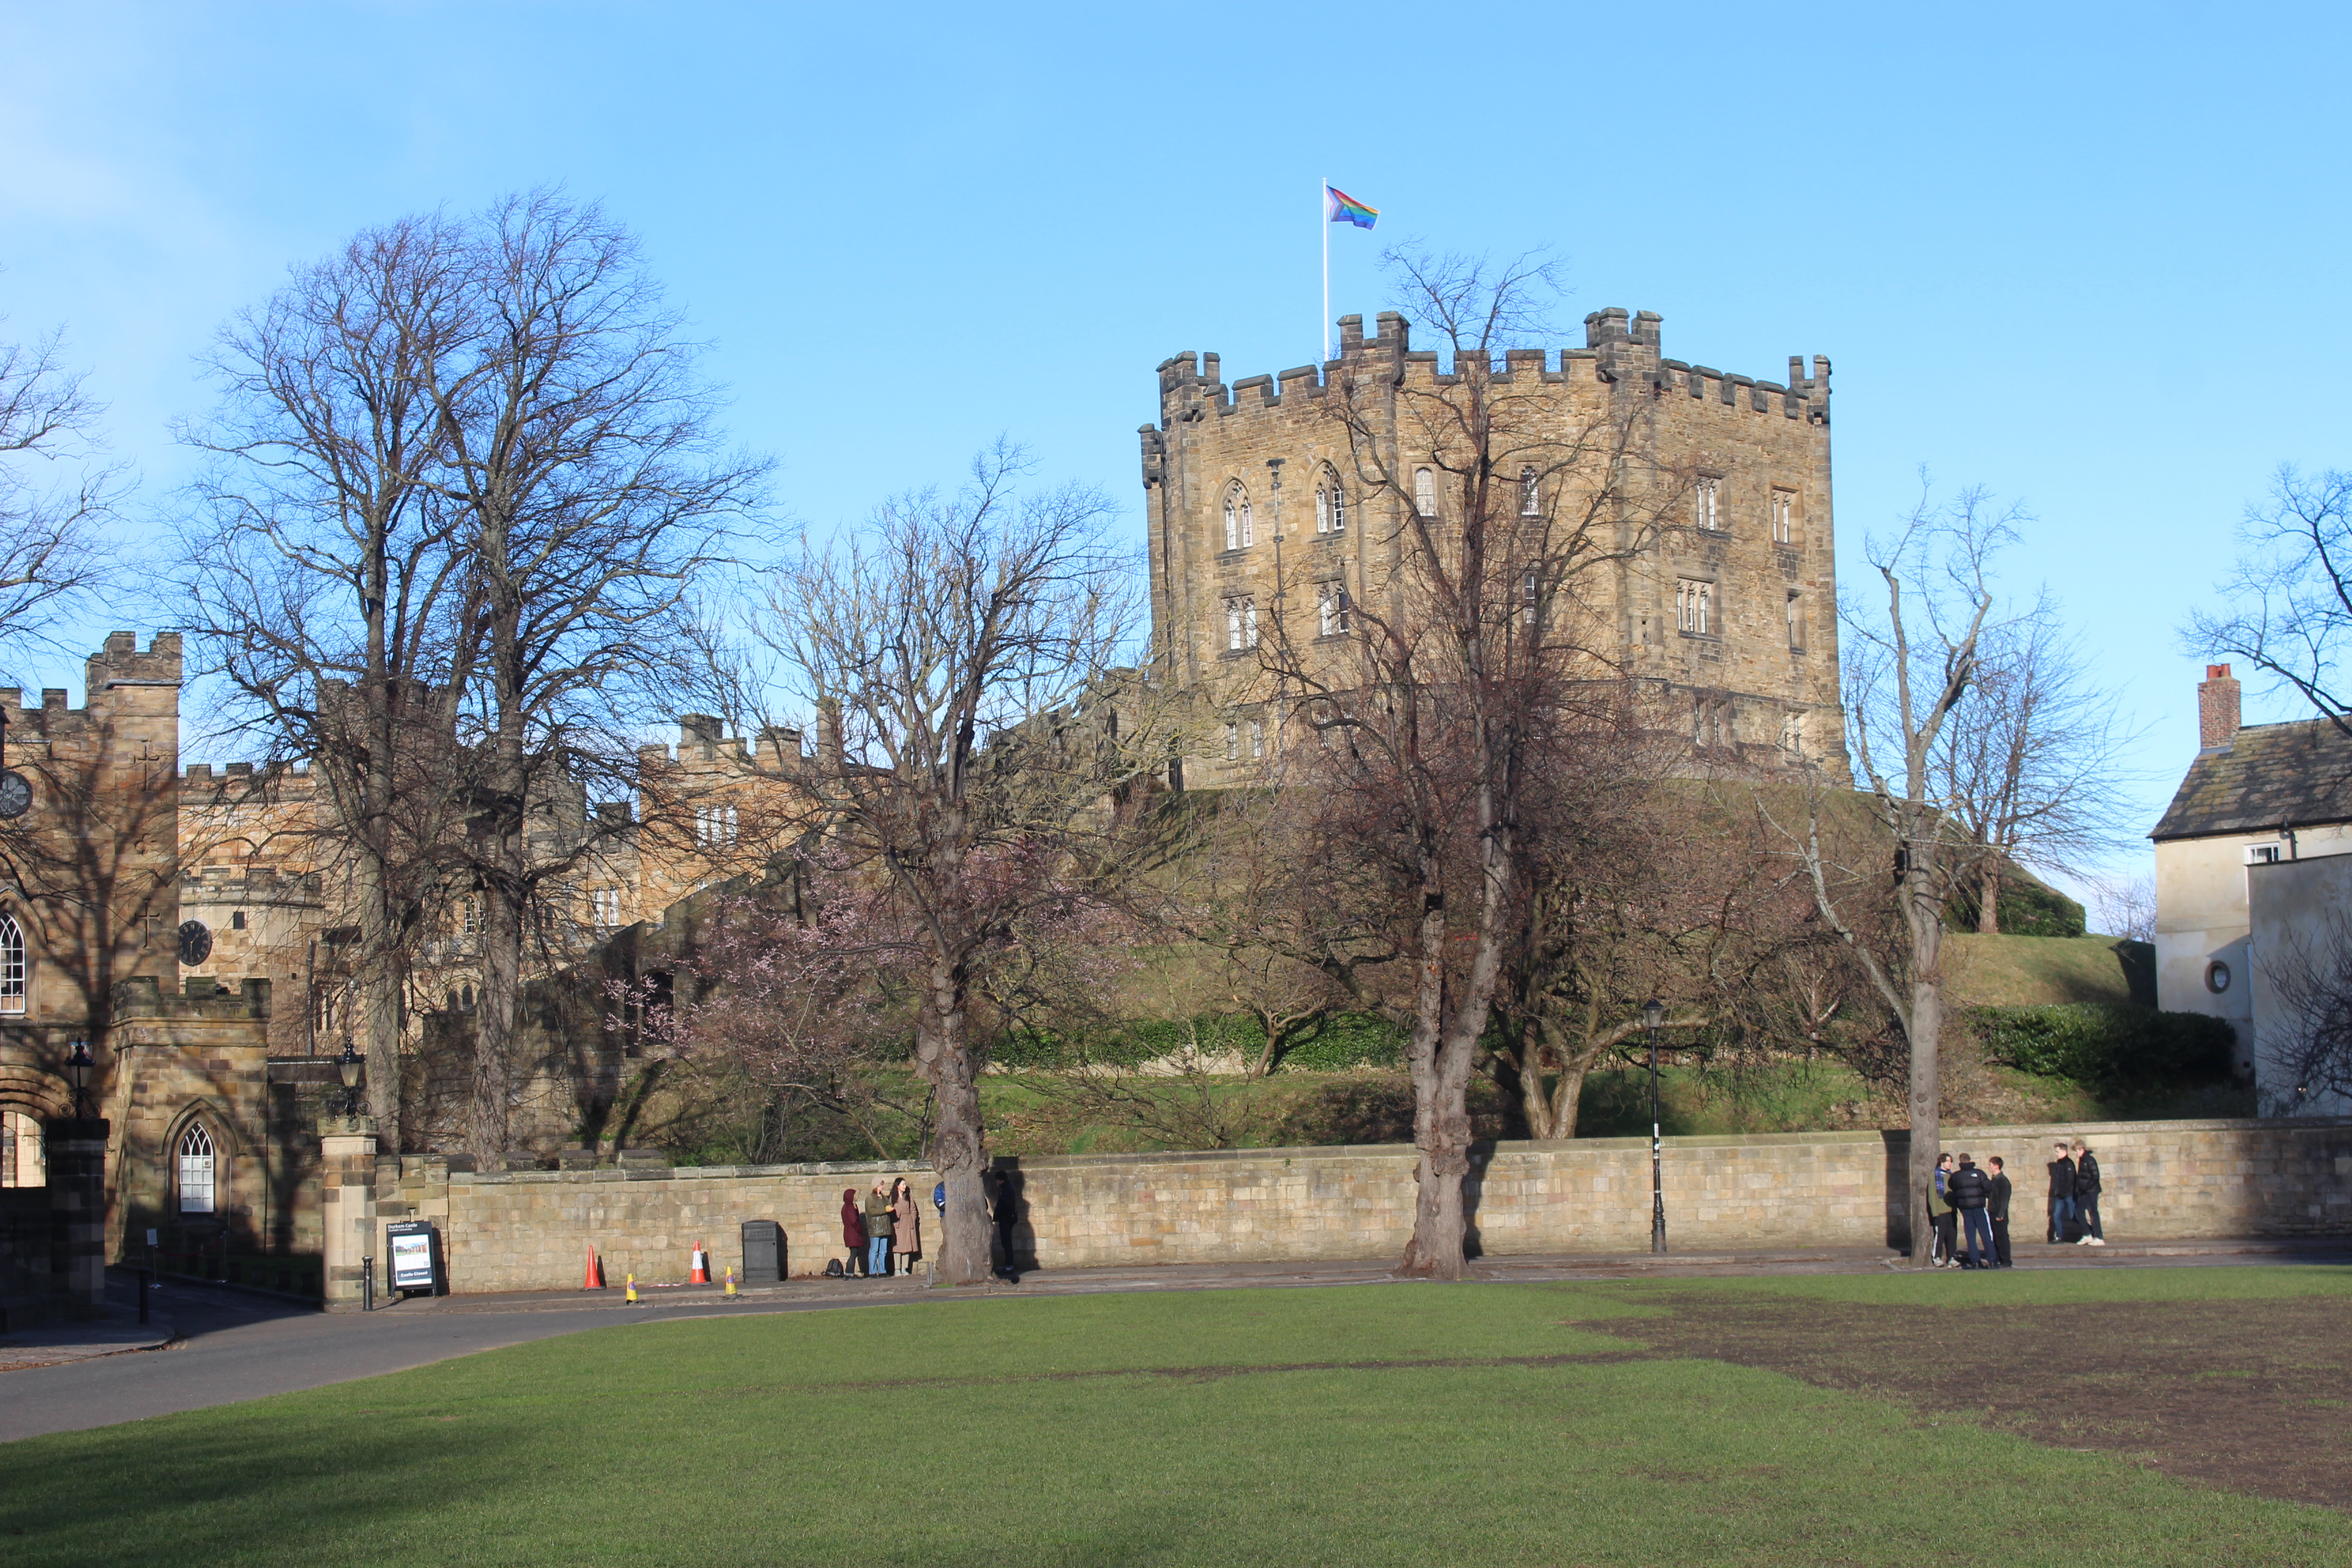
x,y
1997,1211
2087,1193
1967,1191
2061,1192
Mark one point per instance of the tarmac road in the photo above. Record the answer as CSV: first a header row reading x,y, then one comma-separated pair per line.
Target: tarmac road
x,y
235,1347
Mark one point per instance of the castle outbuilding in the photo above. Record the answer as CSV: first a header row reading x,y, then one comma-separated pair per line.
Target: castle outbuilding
x,y
1259,506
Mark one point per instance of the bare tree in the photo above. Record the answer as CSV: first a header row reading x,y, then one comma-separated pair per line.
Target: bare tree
x,y
56,553
2310,1039
974,754
320,576
580,456
2127,905
2291,590
2032,761
1907,673
1485,657
786,991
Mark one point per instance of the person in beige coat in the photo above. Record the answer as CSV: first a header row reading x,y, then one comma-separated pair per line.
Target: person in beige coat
x,y
907,1244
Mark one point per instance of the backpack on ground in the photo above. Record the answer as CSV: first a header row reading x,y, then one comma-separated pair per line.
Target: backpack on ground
x,y
833,1268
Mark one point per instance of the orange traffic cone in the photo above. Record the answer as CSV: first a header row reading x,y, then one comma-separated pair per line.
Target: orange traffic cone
x,y
595,1281
702,1275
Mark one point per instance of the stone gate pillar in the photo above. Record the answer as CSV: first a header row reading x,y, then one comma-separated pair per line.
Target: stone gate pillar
x,y
347,1190
77,1155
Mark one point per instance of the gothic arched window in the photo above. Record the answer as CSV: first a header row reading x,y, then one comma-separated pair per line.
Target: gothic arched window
x,y
1240,530
1424,493
12,966
1330,503
196,1170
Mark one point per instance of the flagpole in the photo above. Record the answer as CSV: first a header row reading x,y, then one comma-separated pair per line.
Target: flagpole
x,y
1323,222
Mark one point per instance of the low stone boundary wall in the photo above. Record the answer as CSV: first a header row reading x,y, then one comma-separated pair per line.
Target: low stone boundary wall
x,y
2164,1179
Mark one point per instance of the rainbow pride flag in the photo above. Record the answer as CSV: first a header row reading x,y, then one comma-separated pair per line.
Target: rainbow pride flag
x,y
1338,206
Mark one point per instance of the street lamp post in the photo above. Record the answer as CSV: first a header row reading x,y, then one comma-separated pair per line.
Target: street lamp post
x,y
1653,1014
79,1064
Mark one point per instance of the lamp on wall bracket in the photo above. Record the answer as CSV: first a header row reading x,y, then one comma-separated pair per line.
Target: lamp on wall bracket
x,y
77,1067
353,1069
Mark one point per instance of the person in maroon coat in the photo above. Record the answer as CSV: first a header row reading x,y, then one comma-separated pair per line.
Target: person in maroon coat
x,y
853,1231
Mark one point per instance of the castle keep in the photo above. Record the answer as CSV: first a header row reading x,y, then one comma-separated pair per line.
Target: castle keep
x,y
1257,507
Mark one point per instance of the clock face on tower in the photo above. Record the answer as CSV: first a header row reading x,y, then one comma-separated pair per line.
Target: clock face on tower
x,y
195,942
15,795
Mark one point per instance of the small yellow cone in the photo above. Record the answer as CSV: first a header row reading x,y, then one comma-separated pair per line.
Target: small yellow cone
x,y
730,1281
633,1290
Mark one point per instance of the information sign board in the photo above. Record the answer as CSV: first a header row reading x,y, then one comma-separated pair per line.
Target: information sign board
x,y
416,1252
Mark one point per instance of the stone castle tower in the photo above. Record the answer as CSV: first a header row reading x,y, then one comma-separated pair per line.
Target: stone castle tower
x,y
1732,615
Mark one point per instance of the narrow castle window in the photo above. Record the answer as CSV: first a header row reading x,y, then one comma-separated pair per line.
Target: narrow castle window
x,y
1241,622
1784,517
1232,742
1695,606
1530,586
1796,624
1241,532
606,906
236,920
1330,503
1424,493
1257,738
1792,735
1710,504
469,915
1530,494
12,966
1331,609
195,1170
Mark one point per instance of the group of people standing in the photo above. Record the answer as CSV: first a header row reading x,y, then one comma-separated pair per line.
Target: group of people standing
x,y
885,1236
2075,1196
1970,1207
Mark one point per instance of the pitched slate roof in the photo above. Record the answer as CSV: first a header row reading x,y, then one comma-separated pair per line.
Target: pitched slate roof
x,y
2268,773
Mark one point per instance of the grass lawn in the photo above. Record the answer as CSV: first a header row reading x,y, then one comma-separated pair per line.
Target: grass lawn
x,y
1395,1424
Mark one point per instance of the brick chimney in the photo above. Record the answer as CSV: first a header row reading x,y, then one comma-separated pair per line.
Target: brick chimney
x,y
2217,709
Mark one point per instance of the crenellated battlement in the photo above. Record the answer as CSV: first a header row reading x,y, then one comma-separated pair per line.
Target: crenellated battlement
x,y
1622,351
118,681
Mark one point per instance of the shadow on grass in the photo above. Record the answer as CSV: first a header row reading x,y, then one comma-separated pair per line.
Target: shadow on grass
x,y
248,1487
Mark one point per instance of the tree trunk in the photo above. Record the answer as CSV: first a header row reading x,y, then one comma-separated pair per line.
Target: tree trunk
x,y
380,996
1441,1117
959,1147
1926,1031
1989,902
1567,1102
502,935
1440,1127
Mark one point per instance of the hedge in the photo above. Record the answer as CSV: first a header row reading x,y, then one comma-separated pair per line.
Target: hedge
x,y
2105,1042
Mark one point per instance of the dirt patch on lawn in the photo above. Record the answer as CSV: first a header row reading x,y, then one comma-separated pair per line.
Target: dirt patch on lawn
x,y
2250,1395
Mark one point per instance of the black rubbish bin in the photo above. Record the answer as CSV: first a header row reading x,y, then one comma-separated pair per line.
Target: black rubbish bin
x,y
763,1252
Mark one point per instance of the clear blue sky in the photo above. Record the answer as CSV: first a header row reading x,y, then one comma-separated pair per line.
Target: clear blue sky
x,y
2088,257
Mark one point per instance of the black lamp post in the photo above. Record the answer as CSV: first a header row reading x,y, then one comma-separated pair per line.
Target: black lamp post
x,y
78,1063
1653,1014
353,1068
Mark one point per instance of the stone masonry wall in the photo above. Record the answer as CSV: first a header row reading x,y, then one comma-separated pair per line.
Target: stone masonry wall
x,y
532,1230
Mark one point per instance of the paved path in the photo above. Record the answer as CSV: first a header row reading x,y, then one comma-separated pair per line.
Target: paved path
x,y
227,1346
